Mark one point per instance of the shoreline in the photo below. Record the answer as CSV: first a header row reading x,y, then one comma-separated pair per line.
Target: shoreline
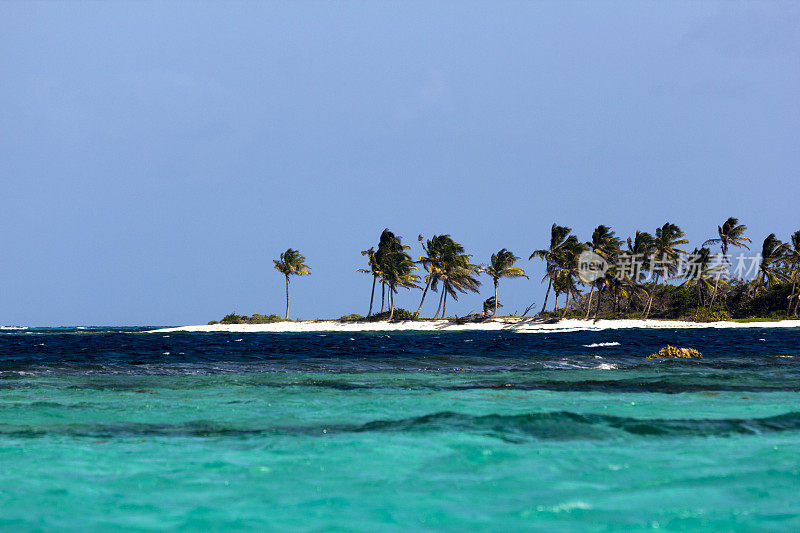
x,y
517,324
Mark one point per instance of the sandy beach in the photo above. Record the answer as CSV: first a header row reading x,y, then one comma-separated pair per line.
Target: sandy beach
x,y
522,325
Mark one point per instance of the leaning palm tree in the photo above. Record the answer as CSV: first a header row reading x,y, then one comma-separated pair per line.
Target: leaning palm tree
x,y
792,261
558,237
388,244
665,249
773,253
731,233
374,270
457,275
605,244
633,265
438,251
490,303
291,263
701,270
567,269
502,266
397,271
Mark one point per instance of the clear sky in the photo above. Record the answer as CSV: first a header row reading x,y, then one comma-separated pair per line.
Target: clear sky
x,y
155,157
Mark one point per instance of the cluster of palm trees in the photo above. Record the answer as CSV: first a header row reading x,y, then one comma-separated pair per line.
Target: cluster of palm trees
x,y
636,268
634,271
448,270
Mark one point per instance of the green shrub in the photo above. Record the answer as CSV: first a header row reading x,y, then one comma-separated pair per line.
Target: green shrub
x,y
212,322
351,318
264,319
400,314
233,318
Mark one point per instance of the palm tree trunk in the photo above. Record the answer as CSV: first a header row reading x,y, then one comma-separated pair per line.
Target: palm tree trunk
x,y
549,284
555,304
699,300
566,306
589,305
372,296
716,282
287,296
391,303
439,308
423,297
495,299
650,299
383,294
597,305
713,293
444,305
792,296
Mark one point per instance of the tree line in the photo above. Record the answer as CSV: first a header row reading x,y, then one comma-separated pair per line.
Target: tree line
x,y
638,280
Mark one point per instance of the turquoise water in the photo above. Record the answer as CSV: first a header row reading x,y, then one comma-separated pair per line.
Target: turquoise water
x,y
111,430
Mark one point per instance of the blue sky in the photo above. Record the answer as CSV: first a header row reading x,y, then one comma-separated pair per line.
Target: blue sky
x,y
155,157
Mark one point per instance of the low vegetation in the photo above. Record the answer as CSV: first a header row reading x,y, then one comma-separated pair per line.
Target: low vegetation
x,y
233,318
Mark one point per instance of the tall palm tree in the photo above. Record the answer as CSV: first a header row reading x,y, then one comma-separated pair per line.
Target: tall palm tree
x,y
773,253
567,269
501,265
731,233
793,266
439,250
665,249
397,271
374,271
700,270
558,237
605,244
634,263
291,263
457,275
388,244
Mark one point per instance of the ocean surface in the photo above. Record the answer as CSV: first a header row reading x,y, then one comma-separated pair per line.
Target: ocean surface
x,y
126,430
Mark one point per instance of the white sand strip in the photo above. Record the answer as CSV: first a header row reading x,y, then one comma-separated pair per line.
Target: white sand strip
x,y
521,325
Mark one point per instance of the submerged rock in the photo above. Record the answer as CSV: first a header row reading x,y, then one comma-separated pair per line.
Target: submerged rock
x,y
672,351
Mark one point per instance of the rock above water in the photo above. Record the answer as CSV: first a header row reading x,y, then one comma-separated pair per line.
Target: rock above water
x,y
673,351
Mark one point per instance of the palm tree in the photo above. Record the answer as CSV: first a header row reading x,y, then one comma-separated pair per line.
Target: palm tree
x,y
635,262
490,303
558,237
438,251
700,270
793,266
397,271
665,248
502,266
605,244
388,244
457,275
731,233
567,269
373,269
291,263
773,252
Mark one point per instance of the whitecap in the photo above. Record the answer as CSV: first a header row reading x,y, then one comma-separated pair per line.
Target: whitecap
x,y
601,344
606,366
